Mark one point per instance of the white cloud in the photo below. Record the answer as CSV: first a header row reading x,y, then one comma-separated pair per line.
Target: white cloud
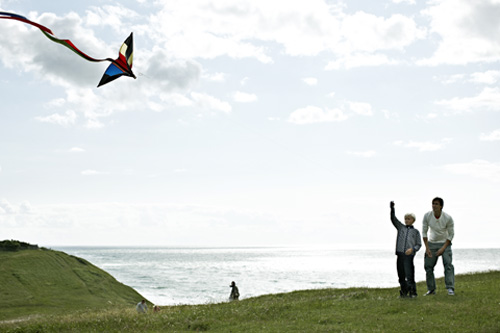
x,y
360,60
314,114
488,98
310,81
25,208
237,28
76,150
110,17
467,31
365,32
209,29
365,154
493,136
477,168
244,80
166,75
390,115
6,207
208,102
431,116
242,97
364,109
64,120
176,99
424,145
449,79
215,77
488,77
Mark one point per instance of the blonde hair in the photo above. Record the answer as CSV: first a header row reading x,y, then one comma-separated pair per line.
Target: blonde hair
x,y
411,215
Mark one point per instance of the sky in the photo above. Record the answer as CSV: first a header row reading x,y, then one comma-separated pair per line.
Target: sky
x,y
250,123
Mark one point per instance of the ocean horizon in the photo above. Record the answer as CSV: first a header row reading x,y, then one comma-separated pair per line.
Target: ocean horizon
x,y
200,275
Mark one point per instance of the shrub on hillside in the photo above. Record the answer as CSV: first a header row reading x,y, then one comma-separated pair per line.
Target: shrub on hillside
x,y
14,245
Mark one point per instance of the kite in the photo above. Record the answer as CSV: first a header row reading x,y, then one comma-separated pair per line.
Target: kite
x,y
121,66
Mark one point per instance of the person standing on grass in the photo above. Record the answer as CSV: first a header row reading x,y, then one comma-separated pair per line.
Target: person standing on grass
x,y
437,244
407,244
235,293
142,307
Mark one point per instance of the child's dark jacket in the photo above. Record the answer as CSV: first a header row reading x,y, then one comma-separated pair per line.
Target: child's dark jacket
x,y
408,236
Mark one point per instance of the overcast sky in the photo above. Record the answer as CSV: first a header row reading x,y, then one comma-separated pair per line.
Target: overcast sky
x,y
259,122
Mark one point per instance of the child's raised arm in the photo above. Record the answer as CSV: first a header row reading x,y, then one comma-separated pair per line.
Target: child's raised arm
x,y
397,224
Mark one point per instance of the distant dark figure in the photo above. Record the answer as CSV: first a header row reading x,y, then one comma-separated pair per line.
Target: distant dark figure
x,y
407,244
156,308
235,294
441,228
142,307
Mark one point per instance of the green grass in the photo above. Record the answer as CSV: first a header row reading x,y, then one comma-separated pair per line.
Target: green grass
x,y
475,308
45,282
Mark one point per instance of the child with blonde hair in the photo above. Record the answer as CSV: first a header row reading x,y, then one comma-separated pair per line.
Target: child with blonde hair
x,y
408,242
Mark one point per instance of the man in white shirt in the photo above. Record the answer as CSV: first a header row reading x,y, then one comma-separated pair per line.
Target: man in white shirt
x,y
437,244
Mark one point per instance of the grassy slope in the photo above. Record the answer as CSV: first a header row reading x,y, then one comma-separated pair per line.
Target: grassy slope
x,y
47,282
475,308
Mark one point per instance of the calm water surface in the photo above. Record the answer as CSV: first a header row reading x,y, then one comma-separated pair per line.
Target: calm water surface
x,y
169,276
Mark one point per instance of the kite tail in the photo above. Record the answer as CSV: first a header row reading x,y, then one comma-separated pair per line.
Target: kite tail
x,y
50,35
123,63
72,47
12,16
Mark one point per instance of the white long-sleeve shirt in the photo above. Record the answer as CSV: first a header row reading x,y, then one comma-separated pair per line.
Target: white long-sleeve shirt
x,y
442,229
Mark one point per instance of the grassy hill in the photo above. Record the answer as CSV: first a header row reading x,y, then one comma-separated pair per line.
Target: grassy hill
x,y
37,281
475,308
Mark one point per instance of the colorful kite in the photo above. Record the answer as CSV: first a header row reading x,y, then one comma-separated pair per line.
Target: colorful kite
x,y
118,67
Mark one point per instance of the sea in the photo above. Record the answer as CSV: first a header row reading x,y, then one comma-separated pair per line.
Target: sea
x,y
183,275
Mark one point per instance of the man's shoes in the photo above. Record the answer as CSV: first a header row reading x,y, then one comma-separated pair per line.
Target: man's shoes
x,y
431,292
451,292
